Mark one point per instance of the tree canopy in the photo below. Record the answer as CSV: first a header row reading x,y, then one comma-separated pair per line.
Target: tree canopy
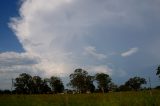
x,y
56,84
27,84
23,83
135,83
103,81
158,71
81,81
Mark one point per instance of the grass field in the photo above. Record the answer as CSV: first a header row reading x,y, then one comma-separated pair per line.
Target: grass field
x,y
141,98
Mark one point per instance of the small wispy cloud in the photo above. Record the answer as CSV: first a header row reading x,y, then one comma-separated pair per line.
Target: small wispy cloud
x,y
129,52
90,50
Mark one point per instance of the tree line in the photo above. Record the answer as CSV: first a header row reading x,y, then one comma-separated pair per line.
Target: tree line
x,y
80,82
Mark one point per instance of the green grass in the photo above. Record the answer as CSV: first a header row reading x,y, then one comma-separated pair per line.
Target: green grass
x,y
141,98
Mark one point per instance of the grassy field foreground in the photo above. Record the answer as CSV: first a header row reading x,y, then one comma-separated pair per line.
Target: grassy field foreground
x,y
141,98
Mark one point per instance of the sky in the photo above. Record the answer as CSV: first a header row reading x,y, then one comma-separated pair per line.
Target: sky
x,y
54,37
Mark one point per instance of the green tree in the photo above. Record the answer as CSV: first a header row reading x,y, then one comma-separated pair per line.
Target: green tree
x,y
26,84
135,83
158,71
37,84
23,83
124,88
56,84
103,81
89,86
112,87
81,81
45,86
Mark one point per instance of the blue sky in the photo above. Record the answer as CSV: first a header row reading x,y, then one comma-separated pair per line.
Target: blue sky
x,y
120,38
8,41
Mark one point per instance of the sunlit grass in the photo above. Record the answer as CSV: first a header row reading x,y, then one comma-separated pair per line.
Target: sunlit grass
x,y
141,98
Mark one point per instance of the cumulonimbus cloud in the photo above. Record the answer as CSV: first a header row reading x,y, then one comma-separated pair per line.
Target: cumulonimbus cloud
x,y
56,31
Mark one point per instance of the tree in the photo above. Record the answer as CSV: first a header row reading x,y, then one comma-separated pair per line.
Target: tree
x,y
89,84
135,83
23,84
81,81
124,88
157,87
45,86
112,87
26,84
103,81
37,84
158,71
56,84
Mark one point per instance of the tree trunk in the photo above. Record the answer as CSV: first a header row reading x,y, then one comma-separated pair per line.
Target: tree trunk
x,y
102,89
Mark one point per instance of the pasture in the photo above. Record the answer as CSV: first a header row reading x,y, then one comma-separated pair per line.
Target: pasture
x,y
132,98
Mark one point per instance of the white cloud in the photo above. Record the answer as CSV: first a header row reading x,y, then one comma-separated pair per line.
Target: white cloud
x,y
56,31
90,50
129,52
100,69
17,58
12,62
